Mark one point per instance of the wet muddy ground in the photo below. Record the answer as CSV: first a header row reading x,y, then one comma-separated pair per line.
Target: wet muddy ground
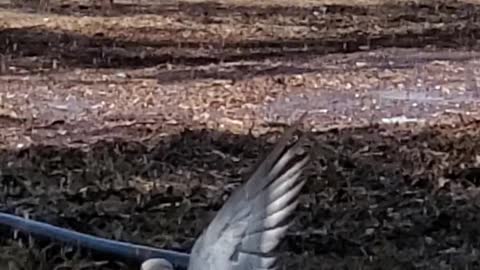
x,y
136,123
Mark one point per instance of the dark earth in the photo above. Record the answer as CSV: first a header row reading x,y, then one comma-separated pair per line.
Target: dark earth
x,y
136,122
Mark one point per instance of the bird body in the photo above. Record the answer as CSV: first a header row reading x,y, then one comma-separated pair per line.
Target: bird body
x,y
156,264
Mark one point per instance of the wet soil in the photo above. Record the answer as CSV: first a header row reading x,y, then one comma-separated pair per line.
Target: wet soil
x,y
136,123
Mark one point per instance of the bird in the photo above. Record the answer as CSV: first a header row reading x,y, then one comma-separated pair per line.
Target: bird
x,y
156,264
244,233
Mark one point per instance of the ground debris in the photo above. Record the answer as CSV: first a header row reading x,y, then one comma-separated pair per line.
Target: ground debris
x,y
137,125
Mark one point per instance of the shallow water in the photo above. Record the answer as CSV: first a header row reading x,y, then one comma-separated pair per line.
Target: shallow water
x,y
386,106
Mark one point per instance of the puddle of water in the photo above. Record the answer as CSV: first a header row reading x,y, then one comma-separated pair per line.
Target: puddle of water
x,y
380,106
431,97
69,108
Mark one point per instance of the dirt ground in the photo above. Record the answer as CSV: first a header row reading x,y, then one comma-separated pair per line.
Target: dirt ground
x,y
135,123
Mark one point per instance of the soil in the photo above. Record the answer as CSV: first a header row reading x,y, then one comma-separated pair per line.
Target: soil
x,y
136,122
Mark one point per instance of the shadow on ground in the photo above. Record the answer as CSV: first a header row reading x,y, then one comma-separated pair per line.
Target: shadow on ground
x,y
376,197
209,11
448,26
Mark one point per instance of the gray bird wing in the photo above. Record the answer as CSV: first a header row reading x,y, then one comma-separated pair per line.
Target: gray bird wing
x,y
255,218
